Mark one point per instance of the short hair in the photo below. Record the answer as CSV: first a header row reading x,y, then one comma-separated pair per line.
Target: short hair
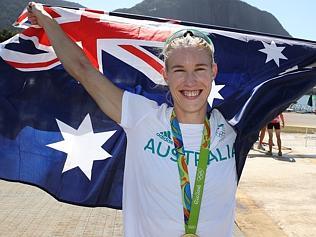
x,y
188,39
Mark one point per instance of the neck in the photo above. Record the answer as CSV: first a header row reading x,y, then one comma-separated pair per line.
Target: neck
x,y
191,117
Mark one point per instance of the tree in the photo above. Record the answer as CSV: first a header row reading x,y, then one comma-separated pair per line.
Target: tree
x,y
6,34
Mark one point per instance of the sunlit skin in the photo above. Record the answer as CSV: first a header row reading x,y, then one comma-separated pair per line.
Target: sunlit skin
x,y
189,75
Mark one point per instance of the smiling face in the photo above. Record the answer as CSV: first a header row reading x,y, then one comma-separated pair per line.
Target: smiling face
x,y
189,73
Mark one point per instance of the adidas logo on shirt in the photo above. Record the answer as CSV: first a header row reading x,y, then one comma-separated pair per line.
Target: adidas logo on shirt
x,y
165,136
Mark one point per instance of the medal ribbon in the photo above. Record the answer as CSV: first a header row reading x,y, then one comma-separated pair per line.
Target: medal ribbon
x,y
191,207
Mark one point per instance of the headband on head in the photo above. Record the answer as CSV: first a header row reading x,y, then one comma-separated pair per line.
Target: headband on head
x,y
190,32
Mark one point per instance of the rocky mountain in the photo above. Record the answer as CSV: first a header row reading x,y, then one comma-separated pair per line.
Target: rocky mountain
x,y
227,13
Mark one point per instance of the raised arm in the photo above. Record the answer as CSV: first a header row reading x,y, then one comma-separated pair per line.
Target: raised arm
x,y
104,92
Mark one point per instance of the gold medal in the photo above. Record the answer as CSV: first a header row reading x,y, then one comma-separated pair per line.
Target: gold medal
x,y
189,235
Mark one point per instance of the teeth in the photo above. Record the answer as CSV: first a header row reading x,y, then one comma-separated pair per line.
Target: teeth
x,y
191,93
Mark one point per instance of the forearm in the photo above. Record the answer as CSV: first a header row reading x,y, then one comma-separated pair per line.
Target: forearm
x,y
74,60
69,53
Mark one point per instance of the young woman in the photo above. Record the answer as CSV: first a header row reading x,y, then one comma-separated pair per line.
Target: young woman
x,y
276,124
179,179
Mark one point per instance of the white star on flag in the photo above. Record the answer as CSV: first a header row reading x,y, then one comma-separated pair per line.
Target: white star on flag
x,y
273,52
82,145
215,93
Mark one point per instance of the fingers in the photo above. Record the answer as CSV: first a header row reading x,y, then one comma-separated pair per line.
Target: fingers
x,y
30,6
34,8
37,14
31,14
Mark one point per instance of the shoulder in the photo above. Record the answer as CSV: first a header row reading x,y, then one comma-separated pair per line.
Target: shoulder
x,y
217,116
129,97
137,108
219,123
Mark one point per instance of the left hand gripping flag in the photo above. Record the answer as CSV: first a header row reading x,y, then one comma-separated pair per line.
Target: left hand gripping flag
x,y
54,136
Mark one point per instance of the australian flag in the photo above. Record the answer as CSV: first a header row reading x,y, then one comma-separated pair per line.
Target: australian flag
x,y
54,136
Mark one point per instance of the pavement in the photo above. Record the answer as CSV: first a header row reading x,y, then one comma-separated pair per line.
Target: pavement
x,y
27,211
276,197
300,123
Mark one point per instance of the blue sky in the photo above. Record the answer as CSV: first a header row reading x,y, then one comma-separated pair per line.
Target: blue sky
x,y
297,17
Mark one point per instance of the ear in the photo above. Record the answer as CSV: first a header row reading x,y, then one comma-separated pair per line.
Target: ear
x,y
214,70
164,74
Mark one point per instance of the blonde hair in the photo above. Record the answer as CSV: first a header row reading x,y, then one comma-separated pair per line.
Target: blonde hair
x,y
187,41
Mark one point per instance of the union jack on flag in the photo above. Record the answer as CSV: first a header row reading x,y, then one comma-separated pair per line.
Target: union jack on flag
x,y
43,108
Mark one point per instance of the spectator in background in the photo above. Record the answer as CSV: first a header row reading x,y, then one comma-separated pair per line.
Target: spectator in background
x,y
275,123
261,137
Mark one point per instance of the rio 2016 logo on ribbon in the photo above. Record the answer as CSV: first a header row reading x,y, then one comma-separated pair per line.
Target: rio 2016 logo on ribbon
x,y
200,174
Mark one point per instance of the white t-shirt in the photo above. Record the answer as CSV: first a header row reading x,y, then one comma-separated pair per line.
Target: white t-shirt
x,y
152,204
